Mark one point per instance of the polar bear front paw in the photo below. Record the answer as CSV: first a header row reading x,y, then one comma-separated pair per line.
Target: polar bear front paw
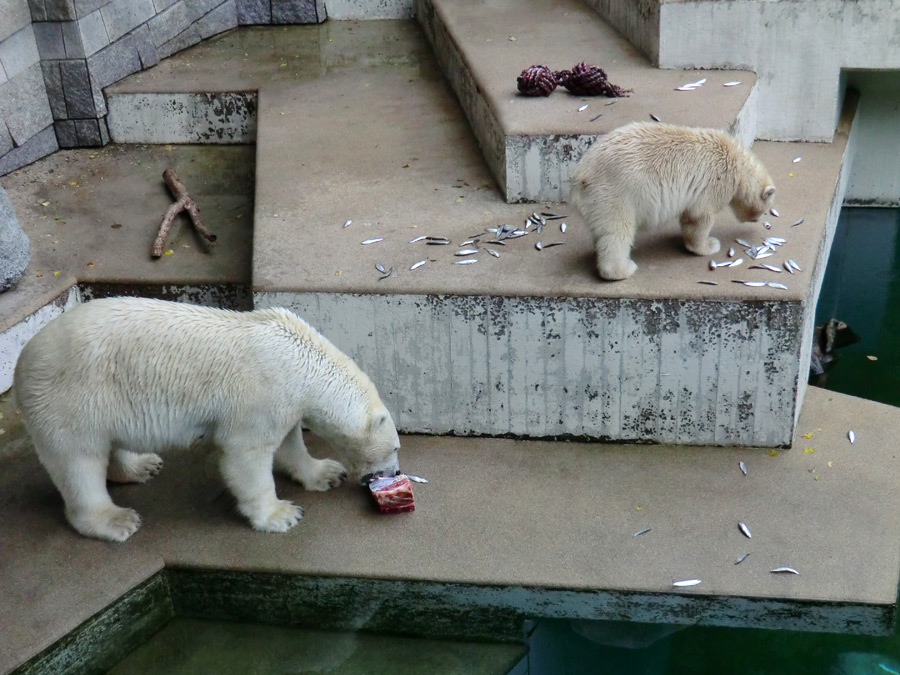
x,y
323,475
281,518
112,523
708,246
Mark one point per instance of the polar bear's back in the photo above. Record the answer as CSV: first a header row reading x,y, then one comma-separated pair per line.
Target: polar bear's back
x,y
142,368
659,169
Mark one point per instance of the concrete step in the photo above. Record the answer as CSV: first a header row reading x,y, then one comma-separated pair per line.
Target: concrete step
x,y
504,531
533,144
355,122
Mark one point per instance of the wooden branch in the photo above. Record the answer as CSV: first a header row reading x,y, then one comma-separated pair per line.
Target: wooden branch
x,y
184,202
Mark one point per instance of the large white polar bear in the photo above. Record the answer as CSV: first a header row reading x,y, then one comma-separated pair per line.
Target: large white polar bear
x,y
646,175
108,384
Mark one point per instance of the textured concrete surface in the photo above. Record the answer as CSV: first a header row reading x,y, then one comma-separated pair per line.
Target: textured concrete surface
x,y
547,529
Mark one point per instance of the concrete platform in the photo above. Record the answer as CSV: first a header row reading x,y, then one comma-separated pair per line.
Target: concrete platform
x,y
511,529
655,358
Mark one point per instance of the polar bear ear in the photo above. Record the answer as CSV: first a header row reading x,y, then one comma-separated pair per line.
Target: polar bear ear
x,y
768,192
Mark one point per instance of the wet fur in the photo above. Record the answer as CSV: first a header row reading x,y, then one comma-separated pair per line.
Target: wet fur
x,y
648,175
109,384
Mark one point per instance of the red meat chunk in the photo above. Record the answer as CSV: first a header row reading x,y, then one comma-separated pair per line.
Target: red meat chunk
x,y
393,494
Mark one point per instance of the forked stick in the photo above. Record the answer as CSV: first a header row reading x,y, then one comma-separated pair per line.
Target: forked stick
x,y
183,202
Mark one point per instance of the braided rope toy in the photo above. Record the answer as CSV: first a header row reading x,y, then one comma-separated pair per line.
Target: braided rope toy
x,y
582,80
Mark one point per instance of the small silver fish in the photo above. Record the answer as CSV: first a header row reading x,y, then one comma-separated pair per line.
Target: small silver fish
x,y
775,284
743,467
347,223
418,264
442,240
771,268
584,107
416,479
467,251
494,253
713,264
777,241
538,246
732,84
789,570
742,243
638,534
551,216
745,530
372,241
775,213
467,261
467,242
741,559
796,159
380,268
615,100
851,436
754,284
731,253
386,274
553,243
708,283
685,87
562,227
767,225
797,222
735,263
793,263
515,234
788,267
654,118
764,253
419,238
686,582
596,117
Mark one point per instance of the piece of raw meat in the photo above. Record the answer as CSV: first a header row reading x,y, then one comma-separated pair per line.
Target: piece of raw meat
x,y
393,494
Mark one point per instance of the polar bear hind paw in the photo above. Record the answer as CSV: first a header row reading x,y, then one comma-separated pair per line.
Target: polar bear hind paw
x,y
327,474
283,517
111,523
131,467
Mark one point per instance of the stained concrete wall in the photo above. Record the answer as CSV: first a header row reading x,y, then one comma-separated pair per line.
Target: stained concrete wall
x,y
670,371
875,179
56,57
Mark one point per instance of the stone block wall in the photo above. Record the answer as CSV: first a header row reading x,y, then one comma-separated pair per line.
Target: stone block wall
x,y
56,57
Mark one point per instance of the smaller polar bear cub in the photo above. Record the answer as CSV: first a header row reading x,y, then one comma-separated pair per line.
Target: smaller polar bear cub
x,y
108,384
646,175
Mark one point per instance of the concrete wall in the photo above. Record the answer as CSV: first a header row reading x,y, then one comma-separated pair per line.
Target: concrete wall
x,y
26,123
797,50
875,179
56,57
796,47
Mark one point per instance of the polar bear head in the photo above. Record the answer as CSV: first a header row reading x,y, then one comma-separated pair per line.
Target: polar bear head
x,y
377,453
